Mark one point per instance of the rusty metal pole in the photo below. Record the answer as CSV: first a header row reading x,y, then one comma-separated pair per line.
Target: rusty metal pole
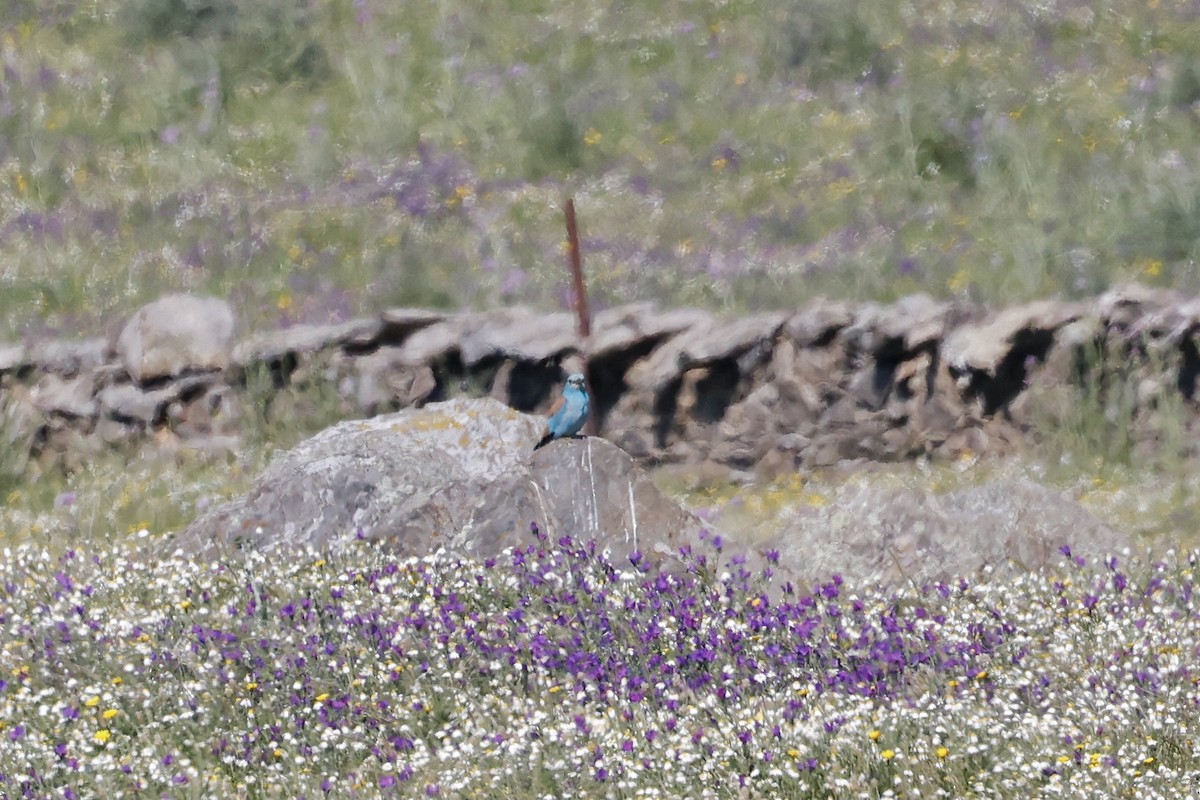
x,y
583,317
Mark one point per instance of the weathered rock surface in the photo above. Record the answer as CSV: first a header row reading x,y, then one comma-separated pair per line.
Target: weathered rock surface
x,y
174,334
459,475
771,392
892,536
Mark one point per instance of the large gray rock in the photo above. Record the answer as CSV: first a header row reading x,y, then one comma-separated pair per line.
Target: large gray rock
x,y
893,535
176,334
460,475
586,489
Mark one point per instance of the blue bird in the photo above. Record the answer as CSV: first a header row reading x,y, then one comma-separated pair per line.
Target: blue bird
x,y
569,412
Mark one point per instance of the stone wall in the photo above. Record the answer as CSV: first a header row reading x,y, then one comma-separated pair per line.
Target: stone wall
x,y
774,391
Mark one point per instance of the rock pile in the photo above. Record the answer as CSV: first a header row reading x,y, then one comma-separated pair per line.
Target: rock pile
x,y
776,391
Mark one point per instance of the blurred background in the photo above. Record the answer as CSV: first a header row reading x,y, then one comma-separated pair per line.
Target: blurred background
x,y
312,160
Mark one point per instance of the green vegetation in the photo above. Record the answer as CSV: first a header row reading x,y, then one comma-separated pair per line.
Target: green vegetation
x,y
317,160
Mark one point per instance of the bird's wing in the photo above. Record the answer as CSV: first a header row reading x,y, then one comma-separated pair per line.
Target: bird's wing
x,y
557,406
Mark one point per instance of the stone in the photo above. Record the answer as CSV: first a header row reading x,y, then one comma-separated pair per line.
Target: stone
x,y
386,381
519,334
819,322
981,347
700,346
400,323
68,357
13,357
435,341
891,332
460,475
176,334
1124,307
71,397
871,533
635,326
128,402
273,345
584,488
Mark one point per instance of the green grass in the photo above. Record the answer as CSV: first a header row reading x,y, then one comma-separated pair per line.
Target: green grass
x,y
319,160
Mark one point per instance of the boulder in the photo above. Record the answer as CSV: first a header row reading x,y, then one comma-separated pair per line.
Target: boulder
x,y
460,475
870,533
176,334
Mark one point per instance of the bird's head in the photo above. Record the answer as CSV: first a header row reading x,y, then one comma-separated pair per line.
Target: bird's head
x,y
576,380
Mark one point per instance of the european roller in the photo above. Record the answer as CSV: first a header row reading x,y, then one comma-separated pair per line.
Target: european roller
x,y
569,412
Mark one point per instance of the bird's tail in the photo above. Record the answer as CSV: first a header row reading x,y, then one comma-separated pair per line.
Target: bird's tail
x,y
544,441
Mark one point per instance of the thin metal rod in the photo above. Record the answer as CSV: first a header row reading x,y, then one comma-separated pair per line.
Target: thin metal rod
x,y
582,315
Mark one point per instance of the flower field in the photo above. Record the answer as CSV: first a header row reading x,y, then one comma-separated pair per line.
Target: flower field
x,y
557,672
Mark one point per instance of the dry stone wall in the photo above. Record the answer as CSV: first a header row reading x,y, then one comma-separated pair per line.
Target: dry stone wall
x,y
778,391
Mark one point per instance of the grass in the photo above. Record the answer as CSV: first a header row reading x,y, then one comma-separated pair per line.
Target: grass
x,y
318,161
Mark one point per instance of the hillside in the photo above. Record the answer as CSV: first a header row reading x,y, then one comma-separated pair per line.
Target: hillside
x,y
312,161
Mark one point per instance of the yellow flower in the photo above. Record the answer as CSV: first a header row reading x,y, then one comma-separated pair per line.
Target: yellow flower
x,y
958,281
103,735
942,752
92,701
321,698
109,713
592,136
874,735
888,755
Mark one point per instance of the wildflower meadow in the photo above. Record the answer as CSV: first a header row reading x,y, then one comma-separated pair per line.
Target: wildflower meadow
x,y
559,671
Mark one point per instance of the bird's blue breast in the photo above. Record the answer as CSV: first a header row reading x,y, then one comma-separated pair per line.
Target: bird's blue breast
x,y
569,419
